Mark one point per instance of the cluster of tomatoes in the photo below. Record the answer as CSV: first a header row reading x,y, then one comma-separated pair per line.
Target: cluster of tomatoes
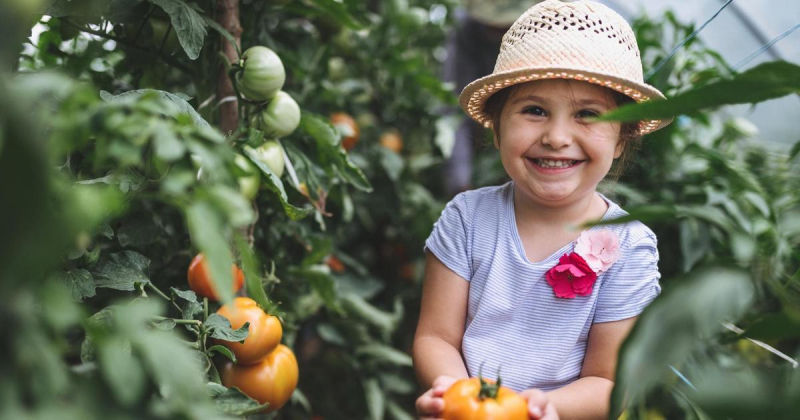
x,y
265,369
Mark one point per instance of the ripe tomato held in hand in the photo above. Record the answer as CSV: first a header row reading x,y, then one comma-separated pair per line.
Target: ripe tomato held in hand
x,y
348,128
200,278
479,399
263,335
271,380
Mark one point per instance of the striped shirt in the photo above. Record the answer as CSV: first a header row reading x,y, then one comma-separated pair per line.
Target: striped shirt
x,y
514,321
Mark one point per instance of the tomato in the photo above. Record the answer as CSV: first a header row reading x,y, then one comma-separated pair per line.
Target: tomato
x,y
263,335
271,380
200,278
348,128
392,141
251,180
336,265
478,399
262,75
281,117
271,154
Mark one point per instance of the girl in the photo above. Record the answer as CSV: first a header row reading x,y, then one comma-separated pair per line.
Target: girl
x,y
510,284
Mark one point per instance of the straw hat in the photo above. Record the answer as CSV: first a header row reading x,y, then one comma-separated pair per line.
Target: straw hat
x,y
580,40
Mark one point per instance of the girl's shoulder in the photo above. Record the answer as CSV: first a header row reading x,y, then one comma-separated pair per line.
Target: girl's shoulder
x,y
484,197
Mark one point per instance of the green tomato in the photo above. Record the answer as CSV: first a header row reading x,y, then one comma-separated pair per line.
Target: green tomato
x,y
271,154
263,74
281,117
248,183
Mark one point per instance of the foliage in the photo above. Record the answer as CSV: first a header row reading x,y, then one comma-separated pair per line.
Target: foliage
x,y
140,180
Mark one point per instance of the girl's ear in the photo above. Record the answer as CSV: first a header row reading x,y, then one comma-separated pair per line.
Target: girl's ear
x,y
496,136
619,148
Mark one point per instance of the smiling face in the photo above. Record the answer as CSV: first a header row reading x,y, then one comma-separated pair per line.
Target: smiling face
x,y
549,146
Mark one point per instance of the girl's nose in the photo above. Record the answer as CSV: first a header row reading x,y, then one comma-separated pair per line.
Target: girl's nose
x,y
557,135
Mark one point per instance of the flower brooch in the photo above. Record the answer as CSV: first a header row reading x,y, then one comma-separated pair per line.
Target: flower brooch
x,y
576,272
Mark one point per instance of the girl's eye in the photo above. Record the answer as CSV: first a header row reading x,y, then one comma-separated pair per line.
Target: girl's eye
x,y
533,110
588,113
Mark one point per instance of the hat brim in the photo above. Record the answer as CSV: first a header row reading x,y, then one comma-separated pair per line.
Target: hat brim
x,y
474,96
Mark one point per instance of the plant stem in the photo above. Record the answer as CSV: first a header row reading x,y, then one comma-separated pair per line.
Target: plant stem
x,y
205,309
163,295
180,321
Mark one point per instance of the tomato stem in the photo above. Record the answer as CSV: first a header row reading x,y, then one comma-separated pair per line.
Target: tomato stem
x,y
163,295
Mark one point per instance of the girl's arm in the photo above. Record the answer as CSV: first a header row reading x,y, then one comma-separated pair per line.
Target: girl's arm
x,y
589,397
443,312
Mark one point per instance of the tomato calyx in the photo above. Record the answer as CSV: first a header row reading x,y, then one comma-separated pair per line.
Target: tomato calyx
x,y
488,389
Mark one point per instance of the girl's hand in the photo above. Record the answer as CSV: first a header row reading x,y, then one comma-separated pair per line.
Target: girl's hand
x,y
539,406
430,405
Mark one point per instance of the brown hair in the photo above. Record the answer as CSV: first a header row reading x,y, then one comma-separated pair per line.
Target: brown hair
x,y
627,135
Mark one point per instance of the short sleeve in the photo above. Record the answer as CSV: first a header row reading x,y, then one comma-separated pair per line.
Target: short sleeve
x,y
449,239
632,282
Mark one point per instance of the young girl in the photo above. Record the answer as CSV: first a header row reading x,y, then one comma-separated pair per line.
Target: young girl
x,y
511,285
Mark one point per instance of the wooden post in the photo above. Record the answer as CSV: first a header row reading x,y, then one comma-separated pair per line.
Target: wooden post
x,y
228,18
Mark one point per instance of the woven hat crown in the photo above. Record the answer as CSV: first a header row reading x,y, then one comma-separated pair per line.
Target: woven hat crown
x,y
573,35
580,40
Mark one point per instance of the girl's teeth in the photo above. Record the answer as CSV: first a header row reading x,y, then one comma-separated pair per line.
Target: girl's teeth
x,y
546,163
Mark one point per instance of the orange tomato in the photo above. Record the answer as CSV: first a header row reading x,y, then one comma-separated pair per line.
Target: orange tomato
x,y
479,399
200,279
336,265
272,380
348,128
392,141
264,333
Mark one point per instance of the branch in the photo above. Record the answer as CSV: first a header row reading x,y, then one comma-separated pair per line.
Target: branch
x,y
166,58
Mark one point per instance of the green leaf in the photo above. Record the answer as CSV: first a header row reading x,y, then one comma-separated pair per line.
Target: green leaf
x,y
223,351
376,400
238,210
766,81
359,307
80,282
384,353
276,185
211,23
337,10
645,214
331,154
123,372
392,163
397,412
207,231
166,324
676,324
775,326
189,25
252,273
122,271
179,105
319,277
794,151
166,145
220,328
232,401
187,295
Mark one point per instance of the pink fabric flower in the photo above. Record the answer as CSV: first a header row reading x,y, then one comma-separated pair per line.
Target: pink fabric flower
x,y
571,276
599,248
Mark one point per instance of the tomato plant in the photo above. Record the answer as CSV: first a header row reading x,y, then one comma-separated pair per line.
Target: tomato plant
x,y
264,331
200,280
250,179
479,399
